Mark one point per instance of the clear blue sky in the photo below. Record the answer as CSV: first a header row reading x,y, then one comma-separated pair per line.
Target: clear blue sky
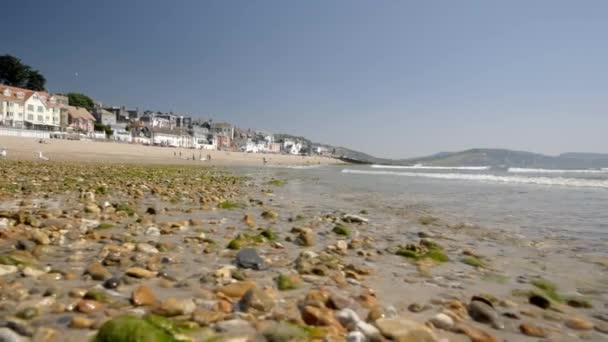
x,y
391,78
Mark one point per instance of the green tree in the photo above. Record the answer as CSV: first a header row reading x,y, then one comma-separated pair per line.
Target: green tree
x,y
80,100
15,73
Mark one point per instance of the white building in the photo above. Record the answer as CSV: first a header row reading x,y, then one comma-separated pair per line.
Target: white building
x,y
291,147
23,108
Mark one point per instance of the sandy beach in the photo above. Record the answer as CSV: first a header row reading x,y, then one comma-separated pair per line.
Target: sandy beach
x,y
92,151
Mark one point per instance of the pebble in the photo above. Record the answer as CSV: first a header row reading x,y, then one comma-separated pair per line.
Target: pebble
x,y
249,258
7,269
146,248
403,329
539,301
602,327
442,321
238,289
356,336
111,283
81,322
40,237
174,307
139,272
579,324
532,330
484,313
88,306
98,271
32,272
416,307
7,335
475,334
143,295
256,299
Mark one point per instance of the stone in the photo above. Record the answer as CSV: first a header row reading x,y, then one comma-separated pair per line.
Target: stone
x,y
98,272
235,326
249,220
256,299
81,322
288,281
416,307
28,313
313,315
404,330
207,317
111,283
88,306
92,208
348,318
146,248
337,302
32,272
602,327
270,215
371,332
143,295
442,321
40,237
351,218
342,246
4,223
579,324
225,272
356,336
7,335
46,334
539,301
283,331
153,231
306,237
237,290
139,272
249,258
532,330
175,307
475,334
8,269
129,328
483,312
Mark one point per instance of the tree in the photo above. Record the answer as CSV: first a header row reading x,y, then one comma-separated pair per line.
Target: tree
x,y
80,100
14,73
35,81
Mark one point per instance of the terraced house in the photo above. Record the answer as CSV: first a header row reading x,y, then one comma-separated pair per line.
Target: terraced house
x,y
23,108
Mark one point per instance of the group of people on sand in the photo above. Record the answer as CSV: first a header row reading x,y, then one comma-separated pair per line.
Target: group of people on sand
x,y
200,156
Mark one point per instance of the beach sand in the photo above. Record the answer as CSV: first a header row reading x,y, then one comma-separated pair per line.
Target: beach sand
x,y
93,151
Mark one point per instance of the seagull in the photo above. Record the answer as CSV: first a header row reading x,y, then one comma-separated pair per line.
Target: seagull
x,y
3,152
40,156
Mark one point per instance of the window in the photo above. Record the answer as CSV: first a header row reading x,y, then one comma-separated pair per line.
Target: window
x,y
30,117
30,107
40,109
7,92
20,95
40,118
10,104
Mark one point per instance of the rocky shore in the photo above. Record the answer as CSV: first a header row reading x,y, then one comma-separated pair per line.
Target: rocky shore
x,y
109,252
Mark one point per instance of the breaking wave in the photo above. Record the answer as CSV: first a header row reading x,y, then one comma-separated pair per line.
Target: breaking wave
x,y
423,167
525,170
557,181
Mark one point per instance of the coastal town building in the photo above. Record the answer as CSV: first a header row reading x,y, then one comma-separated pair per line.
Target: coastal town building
x,y
23,108
171,138
79,119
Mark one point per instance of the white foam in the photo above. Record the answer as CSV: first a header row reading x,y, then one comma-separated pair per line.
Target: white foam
x,y
525,170
557,181
423,167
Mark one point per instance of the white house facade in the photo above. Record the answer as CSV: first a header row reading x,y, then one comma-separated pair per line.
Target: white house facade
x,y
23,108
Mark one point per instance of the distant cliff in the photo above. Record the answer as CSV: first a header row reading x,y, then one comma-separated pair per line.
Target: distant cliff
x,y
509,158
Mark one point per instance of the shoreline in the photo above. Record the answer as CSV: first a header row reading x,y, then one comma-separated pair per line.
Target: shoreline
x,y
19,148
166,240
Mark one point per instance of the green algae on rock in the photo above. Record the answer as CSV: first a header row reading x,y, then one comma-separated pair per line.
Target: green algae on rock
x,y
132,329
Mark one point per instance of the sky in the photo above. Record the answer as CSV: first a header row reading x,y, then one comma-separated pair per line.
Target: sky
x,y
392,78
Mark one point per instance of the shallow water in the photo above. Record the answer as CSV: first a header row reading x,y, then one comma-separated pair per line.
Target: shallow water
x,y
551,210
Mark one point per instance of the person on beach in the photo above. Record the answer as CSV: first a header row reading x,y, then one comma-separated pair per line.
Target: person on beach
x,y
264,160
